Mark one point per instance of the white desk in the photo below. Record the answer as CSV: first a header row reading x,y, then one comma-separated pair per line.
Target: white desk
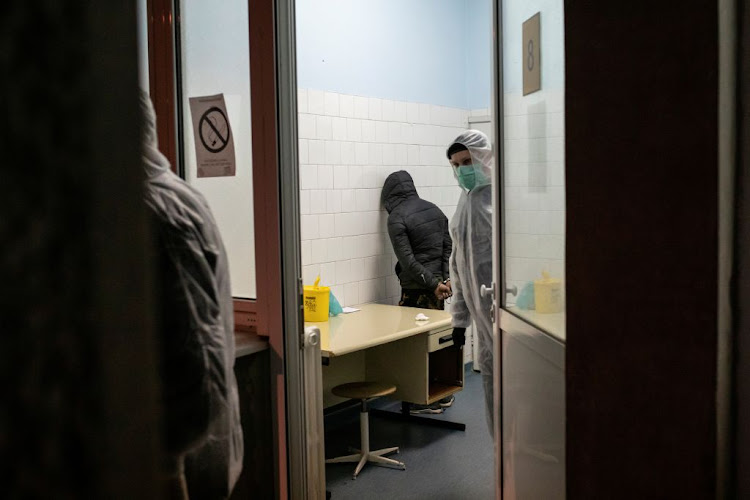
x,y
376,324
386,343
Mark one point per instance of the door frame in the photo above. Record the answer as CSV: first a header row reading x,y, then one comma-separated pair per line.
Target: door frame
x,y
498,228
300,445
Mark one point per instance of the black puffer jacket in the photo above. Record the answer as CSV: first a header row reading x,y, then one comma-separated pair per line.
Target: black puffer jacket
x,y
419,234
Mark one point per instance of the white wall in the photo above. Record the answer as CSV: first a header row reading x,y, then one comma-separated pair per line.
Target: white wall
x,y
345,159
384,87
344,164
348,146
534,186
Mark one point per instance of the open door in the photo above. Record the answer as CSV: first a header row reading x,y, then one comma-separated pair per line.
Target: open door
x,y
529,232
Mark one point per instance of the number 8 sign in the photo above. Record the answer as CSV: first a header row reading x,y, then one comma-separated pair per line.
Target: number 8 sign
x,y
531,46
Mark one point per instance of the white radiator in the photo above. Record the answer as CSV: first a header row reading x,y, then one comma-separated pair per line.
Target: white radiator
x,y
313,398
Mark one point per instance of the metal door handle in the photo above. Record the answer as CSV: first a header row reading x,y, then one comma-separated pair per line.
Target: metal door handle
x,y
485,290
513,290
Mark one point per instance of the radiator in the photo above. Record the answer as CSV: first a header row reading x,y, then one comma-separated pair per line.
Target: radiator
x,y
313,402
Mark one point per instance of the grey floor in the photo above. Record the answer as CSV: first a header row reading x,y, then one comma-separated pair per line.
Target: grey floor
x,y
440,463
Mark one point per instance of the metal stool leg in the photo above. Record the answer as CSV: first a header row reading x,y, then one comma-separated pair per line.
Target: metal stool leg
x,y
344,459
365,455
384,451
386,461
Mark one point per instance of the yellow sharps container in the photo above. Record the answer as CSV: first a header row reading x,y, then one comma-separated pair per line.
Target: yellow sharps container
x,y
316,302
548,296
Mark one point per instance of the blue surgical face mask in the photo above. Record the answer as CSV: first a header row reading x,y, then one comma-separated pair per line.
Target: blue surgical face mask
x,y
471,176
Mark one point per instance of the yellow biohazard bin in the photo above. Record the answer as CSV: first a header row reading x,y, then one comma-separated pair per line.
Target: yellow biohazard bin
x,y
316,302
548,294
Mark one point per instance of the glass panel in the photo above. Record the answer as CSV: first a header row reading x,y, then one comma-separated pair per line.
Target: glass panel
x,y
142,16
216,60
534,162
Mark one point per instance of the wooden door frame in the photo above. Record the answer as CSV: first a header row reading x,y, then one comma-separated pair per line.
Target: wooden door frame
x,y
162,75
741,458
262,315
267,213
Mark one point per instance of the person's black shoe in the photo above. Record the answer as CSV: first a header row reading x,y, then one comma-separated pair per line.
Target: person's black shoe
x,y
447,402
433,409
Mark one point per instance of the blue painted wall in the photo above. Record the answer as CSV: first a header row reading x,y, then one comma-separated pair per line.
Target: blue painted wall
x,y
478,54
431,51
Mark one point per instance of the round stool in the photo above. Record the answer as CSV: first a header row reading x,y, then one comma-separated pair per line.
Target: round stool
x,y
364,391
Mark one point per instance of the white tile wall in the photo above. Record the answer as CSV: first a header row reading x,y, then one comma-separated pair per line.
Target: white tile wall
x,y
348,146
534,185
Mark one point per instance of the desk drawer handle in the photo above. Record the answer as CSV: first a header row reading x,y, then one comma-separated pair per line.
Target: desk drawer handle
x,y
445,339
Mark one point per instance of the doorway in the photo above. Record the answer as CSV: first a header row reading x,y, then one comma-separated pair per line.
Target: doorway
x,y
384,87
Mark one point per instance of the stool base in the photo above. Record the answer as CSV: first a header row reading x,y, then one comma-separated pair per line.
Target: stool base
x,y
365,455
375,457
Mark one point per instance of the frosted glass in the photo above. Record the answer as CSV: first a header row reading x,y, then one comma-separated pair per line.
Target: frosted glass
x,y
534,168
216,59
141,9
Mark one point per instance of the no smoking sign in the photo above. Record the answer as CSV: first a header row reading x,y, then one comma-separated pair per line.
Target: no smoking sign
x,y
214,130
214,144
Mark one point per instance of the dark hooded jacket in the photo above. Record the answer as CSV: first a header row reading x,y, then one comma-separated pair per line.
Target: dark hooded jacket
x,y
419,234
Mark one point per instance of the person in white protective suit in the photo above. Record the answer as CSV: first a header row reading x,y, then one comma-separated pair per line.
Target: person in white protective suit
x,y
202,431
472,160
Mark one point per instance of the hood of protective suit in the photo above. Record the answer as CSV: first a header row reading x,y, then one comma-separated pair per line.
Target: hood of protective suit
x,y
154,161
480,149
399,186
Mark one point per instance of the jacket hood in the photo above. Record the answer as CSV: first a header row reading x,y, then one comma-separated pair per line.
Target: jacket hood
x,y
398,187
479,147
154,162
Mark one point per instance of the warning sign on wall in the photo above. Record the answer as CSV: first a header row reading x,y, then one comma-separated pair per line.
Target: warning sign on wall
x,y
214,144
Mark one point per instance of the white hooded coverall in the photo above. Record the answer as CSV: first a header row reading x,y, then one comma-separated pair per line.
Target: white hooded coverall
x,y
201,403
471,260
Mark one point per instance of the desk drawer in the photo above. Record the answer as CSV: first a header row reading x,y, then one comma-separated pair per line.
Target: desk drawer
x,y
440,340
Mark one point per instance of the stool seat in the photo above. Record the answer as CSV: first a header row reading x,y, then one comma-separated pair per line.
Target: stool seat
x,y
363,390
